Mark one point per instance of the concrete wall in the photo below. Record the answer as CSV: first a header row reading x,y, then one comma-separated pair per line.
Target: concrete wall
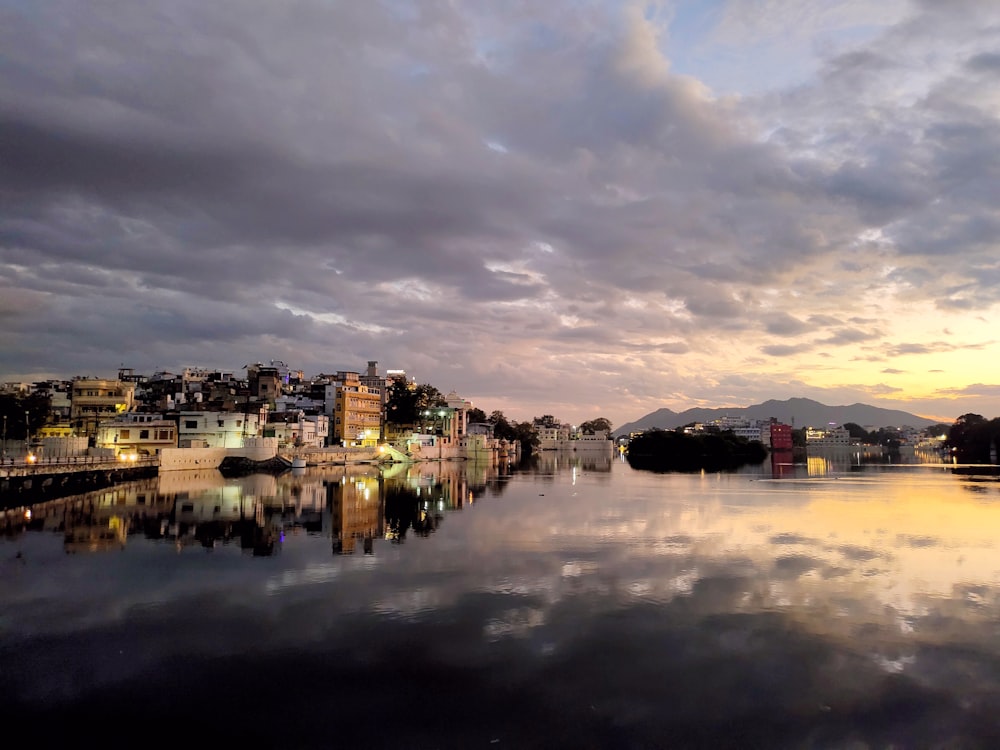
x,y
64,446
334,455
177,459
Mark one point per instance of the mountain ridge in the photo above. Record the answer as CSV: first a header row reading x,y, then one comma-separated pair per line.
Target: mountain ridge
x,y
799,412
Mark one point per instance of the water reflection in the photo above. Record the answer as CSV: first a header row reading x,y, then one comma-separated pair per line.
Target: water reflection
x,y
353,506
576,604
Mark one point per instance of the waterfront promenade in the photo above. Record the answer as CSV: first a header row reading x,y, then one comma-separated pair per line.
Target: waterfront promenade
x,y
44,477
26,466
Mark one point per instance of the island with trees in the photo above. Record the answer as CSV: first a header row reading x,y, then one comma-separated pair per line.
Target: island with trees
x,y
973,439
674,450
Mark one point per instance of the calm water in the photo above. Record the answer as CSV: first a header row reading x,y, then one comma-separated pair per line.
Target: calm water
x,y
581,604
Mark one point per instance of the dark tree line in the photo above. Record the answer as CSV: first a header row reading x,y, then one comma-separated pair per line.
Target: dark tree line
x,y
406,403
507,430
887,437
972,437
663,450
23,414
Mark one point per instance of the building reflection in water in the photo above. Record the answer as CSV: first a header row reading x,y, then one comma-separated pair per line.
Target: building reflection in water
x,y
553,462
826,461
354,506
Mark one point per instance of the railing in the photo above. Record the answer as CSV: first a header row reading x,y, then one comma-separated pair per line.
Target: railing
x,y
45,464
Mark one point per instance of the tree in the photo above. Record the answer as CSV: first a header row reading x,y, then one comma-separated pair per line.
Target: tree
x,y
546,420
887,437
594,426
526,433
24,414
401,403
476,415
857,432
972,436
405,402
501,427
661,450
936,430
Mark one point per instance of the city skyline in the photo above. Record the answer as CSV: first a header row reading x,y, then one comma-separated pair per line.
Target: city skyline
x,y
581,209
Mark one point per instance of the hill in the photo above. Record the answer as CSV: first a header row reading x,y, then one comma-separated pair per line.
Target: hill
x,y
799,412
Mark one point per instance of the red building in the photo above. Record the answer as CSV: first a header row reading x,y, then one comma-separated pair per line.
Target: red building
x,y
781,436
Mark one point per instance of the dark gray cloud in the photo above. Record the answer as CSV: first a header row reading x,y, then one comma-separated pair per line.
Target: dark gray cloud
x,y
784,350
930,347
493,197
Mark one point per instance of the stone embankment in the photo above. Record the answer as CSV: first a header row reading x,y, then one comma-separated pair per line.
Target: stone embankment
x,y
31,482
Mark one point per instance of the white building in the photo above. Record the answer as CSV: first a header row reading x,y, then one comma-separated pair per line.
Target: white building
x,y
827,437
139,434
553,438
299,429
220,429
750,429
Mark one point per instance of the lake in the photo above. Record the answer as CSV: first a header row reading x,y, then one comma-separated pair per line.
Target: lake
x,y
576,604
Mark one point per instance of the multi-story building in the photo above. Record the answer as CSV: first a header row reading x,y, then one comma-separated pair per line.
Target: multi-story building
x,y
138,434
827,437
355,410
94,400
375,382
749,429
552,438
780,436
220,429
265,382
296,428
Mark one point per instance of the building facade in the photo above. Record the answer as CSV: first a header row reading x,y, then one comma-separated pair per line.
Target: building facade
x,y
827,437
780,436
94,400
137,434
219,429
355,411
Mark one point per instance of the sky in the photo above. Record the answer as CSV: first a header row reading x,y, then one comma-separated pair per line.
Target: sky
x,y
579,208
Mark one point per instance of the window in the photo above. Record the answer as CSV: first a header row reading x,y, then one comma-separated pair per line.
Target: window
x,y
190,424
144,434
126,434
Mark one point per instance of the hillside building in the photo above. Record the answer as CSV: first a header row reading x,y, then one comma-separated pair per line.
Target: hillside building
x,y
138,434
95,400
827,437
355,411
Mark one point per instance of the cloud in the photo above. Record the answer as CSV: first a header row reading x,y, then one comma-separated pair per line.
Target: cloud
x,y
974,390
933,347
783,324
844,336
498,197
784,350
